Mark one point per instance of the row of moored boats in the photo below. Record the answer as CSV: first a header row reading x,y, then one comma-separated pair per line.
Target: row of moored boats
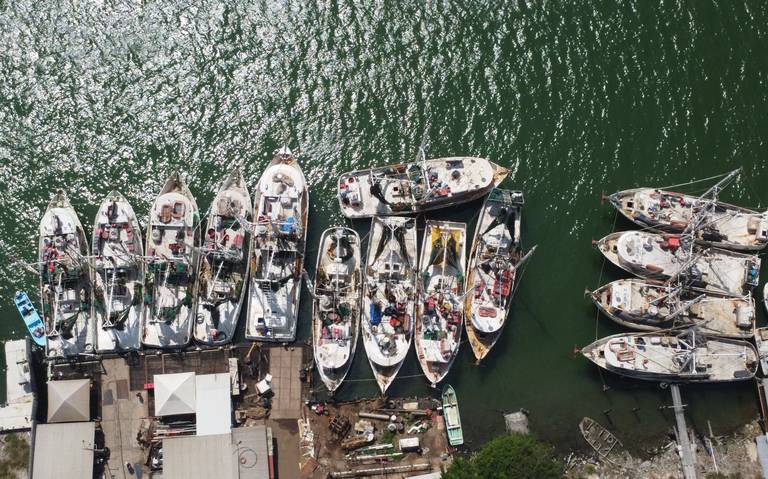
x,y
191,277
695,265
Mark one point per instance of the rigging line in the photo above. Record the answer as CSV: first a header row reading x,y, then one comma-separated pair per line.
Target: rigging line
x,y
722,175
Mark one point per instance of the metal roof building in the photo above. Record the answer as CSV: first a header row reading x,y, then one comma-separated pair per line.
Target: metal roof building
x,y
69,400
174,394
64,451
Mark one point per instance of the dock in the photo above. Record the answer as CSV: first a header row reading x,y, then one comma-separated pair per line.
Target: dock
x,y
681,430
16,414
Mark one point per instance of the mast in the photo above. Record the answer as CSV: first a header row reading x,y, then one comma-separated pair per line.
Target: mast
x,y
709,200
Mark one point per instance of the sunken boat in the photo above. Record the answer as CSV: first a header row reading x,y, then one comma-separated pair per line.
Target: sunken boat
x,y
496,255
684,356
651,306
336,305
423,185
224,262
277,250
65,281
713,222
173,258
665,256
118,275
389,296
600,438
440,310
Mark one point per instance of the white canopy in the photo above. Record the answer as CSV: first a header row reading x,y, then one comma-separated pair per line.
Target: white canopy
x,y
69,400
174,394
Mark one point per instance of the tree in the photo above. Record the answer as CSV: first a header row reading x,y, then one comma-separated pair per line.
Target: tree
x,y
512,456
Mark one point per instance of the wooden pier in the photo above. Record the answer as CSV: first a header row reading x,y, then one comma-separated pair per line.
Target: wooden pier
x,y
686,452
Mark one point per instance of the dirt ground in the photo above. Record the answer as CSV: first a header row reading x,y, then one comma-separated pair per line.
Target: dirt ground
x,y
736,456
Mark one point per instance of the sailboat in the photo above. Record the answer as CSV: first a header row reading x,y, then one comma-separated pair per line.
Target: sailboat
x,y
716,223
173,253
440,311
336,305
389,296
118,275
496,256
277,250
224,262
666,256
678,357
651,306
423,185
65,281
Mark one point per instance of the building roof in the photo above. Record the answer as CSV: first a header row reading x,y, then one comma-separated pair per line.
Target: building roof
x,y
213,404
69,400
63,451
174,394
242,454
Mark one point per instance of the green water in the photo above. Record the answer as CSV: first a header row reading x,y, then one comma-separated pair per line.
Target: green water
x,y
575,98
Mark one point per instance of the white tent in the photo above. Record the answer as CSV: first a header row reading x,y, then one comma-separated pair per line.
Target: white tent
x,y
69,400
174,394
214,404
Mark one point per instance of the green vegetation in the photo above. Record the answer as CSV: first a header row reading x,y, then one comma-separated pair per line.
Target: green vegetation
x,y
15,455
512,456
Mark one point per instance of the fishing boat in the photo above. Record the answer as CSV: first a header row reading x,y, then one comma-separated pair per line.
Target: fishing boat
x,y
761,340
715,223
765,296
224,262
665,256
65,281
423,185
389,296
173,252
31,317
117,267
600,438
493,263
684,356
277,250
336,305
651,306
439,315
452,417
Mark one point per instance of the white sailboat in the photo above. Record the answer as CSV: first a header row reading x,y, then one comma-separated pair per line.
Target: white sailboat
x,y
224,263
336,305
118,275
173,245
389,296
277,250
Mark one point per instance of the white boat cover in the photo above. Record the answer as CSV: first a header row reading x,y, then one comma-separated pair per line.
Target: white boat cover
x,y
69,400
174,394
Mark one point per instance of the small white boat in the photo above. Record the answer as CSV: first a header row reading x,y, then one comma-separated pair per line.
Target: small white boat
x,y
716,223
496,255
65,281
681,357
664,256
761,340
118,275
389,296
277,250
410,188
224,263
651,306
336,305
173,251
440,311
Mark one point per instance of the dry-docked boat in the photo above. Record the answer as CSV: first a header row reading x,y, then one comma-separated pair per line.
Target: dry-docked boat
x,y
277,250
715,223
65,280
651,306
761,339
496,254
662,256
336,305
423,185
173,251
389,296
224,262
118,275
681,357
440,308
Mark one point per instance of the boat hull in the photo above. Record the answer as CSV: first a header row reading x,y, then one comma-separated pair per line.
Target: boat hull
x,y
452,417
31,318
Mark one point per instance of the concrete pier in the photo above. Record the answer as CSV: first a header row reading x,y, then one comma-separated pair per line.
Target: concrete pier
x,y
686,452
